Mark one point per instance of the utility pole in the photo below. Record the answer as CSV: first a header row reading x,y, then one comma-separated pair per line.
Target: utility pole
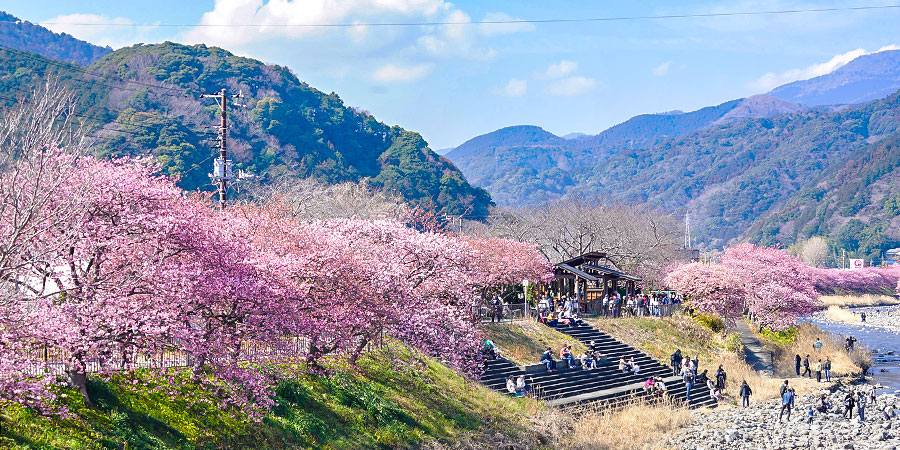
x,y
687,230
222,166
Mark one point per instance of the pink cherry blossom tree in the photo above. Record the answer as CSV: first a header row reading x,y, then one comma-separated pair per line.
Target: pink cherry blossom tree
x,y
711,288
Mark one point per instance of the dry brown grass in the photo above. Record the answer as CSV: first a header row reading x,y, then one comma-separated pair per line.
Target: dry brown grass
x,y
842,363
640,425
859,300
839,314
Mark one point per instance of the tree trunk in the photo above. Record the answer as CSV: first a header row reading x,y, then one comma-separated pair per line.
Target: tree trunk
x,y
78,380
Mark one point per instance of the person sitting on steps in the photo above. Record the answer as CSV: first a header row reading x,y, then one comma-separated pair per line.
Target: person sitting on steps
x,y
489,350
634,366
521,387
587,360
566,354
623,365
547,359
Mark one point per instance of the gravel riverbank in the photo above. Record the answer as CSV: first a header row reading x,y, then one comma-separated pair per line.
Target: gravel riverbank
x,y
757,427
883,317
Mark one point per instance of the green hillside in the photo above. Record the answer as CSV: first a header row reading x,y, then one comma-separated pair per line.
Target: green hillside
x,y
396,399
856,204
283,128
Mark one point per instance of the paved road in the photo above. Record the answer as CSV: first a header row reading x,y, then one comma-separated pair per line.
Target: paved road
x,y
758,357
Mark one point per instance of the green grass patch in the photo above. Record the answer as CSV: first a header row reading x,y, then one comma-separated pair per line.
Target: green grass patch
x,y
394,399
523,342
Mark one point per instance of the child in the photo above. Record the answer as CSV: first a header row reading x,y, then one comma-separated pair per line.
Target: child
x,y
809,414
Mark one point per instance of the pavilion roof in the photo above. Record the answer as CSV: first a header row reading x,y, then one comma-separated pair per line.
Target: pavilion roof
x,y
610,272
577,272
584,259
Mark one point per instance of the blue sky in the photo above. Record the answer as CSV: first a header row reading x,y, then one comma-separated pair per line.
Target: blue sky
x,y
454,82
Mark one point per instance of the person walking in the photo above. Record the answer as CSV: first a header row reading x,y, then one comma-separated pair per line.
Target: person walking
x,y
819,371
861,405
688,384
784,388
696,363
721,376
806,371
745,394
849,403
826,367
817,345
787,402
797,360
676,362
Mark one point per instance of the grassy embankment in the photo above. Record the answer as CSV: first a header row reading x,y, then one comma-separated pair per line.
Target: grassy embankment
x,y
525,341
396,399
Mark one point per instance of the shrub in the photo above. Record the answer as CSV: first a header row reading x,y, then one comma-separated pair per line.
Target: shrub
x,y
714,323
734,344
782,338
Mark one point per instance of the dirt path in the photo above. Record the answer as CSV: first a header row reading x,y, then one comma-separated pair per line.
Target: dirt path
x,y
758,357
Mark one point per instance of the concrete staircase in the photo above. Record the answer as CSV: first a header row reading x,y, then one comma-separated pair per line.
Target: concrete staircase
x,y
572,388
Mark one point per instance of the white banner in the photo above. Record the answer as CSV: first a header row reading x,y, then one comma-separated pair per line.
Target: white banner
x,y
856,264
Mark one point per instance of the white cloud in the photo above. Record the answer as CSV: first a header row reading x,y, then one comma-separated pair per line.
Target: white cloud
x,y
294,18
286,26
772,80
558,70
489,29
572,86
662,69
514,88
100,30
393,73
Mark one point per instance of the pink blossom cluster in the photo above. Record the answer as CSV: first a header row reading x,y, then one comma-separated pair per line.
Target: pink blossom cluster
x,y
860,281
772,287
124,264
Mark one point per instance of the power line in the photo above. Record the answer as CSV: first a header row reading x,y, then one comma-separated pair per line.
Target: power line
x,y
480,22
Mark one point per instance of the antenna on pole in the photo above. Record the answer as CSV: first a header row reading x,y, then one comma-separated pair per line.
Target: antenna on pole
x,y
222,171
687,230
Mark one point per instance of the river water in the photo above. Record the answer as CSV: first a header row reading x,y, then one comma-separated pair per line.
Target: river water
x,y
884,344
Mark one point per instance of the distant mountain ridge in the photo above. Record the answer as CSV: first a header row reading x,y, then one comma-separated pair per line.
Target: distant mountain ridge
x,y
23,35
868,77
746,168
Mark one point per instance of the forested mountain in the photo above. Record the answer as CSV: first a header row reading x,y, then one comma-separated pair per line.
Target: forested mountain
x,y
730,175
866,78
23,35
762,162
144,100
857,204
527,165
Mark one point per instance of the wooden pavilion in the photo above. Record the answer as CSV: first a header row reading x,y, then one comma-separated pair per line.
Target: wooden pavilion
x,y
589,280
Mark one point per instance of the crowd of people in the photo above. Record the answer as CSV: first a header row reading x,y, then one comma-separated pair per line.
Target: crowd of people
x,y
854,400
689,370
613,305
587,360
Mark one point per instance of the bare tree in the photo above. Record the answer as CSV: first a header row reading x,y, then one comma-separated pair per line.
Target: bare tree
x,y
311,199
39,148
634,240
814,251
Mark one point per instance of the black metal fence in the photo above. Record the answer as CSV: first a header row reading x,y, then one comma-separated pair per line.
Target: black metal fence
x,y
45,360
